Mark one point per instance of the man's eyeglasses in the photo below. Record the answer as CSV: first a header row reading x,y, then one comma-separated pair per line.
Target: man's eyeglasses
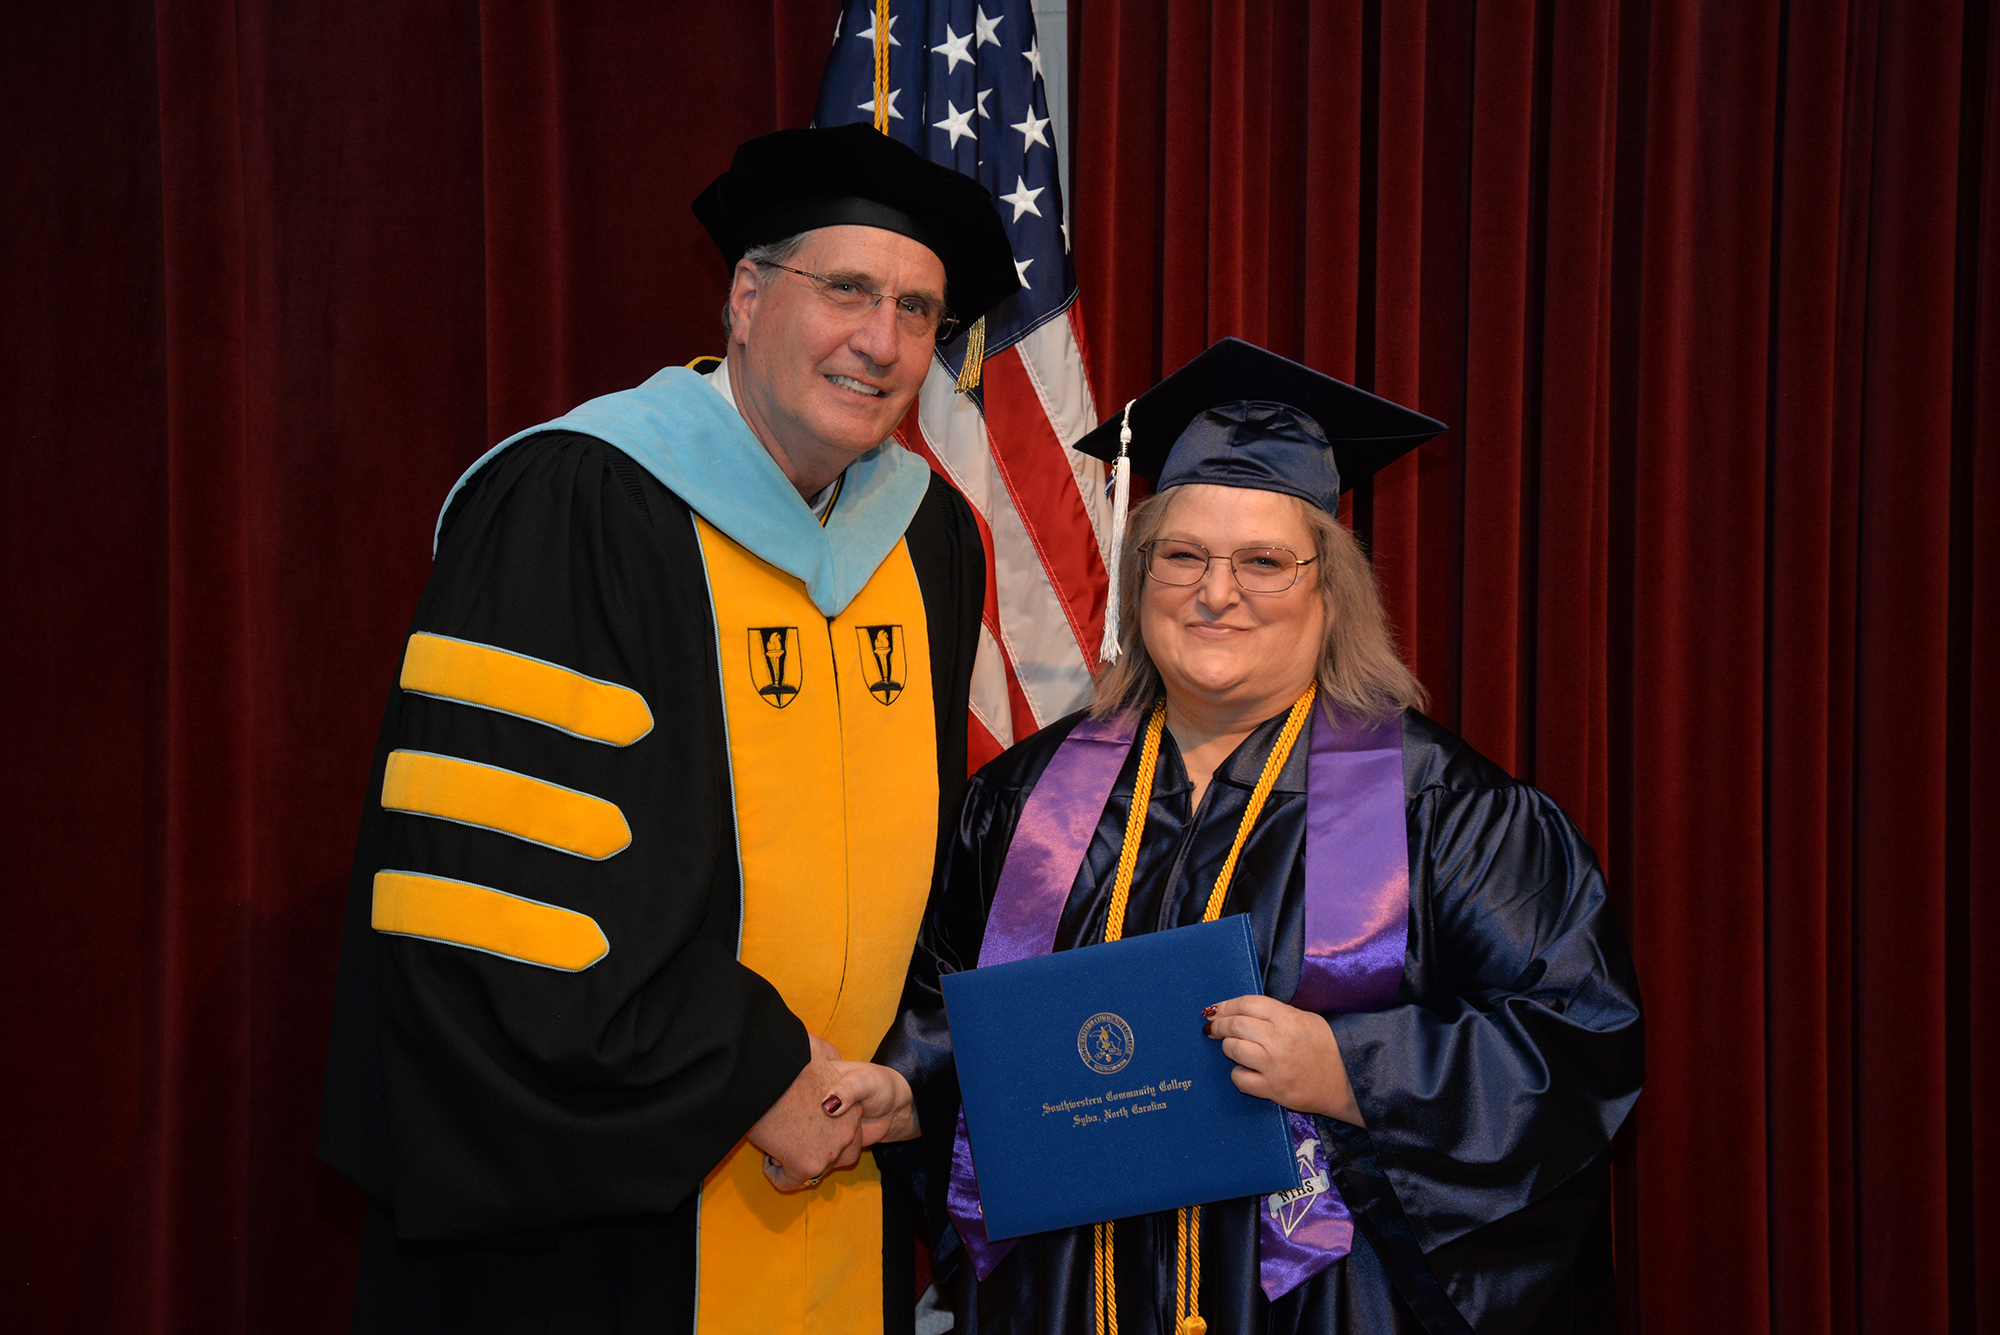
x,y
916,316
1257,569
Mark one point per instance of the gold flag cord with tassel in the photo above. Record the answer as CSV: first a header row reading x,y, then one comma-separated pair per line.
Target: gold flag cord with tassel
x,y
882,66
975,337
975,356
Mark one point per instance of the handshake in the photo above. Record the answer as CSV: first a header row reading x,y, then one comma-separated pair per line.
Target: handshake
x,y
834,1110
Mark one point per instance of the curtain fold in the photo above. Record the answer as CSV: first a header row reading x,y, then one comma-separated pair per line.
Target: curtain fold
x,y
1973,882
1704,290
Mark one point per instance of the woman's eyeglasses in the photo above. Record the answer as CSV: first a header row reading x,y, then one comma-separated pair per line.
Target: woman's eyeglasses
x,y
1257,569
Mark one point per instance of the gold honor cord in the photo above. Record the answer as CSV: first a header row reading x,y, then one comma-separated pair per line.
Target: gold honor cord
x,y
1187,1250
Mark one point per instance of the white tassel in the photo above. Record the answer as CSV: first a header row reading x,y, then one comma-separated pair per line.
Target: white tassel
x,y
1121,497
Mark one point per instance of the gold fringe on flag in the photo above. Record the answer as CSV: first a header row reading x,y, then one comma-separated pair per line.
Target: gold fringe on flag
x,y
975,355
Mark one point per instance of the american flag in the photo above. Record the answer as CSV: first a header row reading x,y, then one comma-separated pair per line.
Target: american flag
x,y
965,89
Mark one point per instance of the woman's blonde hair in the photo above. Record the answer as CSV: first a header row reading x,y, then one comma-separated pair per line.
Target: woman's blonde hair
x,y
1360,671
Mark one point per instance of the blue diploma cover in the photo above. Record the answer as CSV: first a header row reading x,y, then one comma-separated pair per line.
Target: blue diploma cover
x,y
1090,1092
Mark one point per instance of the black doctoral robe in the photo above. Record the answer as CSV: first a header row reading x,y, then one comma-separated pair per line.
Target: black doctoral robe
x,y
1491,1088
533,1141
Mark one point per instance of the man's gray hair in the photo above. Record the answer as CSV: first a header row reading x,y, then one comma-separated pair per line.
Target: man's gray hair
x,y
767,257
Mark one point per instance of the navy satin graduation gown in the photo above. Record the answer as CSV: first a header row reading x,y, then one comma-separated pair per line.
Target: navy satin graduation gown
x,y
1491,1088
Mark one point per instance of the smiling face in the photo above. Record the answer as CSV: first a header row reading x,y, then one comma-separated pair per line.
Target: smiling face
x,y
818,387
1228,656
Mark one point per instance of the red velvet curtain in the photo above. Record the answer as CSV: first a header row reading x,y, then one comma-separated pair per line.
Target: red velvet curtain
x,y
1708,291
271,275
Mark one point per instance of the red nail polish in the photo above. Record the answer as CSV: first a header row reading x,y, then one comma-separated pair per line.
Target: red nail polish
x,y
1207,1031
832,1104
1208,1011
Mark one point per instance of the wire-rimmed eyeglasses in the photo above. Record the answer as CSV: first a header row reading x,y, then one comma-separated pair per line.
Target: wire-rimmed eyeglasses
x,y
1257,569
917,315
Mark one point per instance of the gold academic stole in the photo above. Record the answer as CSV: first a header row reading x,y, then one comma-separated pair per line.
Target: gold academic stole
x,y
833,763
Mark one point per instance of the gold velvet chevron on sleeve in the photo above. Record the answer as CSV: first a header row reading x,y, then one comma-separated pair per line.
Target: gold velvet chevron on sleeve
x,y
421,783
543,813
511,683
479,917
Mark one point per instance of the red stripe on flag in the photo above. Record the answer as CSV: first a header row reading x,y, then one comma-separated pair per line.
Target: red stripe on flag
x,y
910,436
1035,469
981,745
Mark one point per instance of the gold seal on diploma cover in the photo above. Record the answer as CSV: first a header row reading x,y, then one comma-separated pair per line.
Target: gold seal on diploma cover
x,y
1105,1043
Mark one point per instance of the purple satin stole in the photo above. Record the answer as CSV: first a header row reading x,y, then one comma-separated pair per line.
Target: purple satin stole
x,y
1357,904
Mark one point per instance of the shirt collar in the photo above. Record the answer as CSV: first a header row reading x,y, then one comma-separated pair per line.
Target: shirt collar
x,y
718,380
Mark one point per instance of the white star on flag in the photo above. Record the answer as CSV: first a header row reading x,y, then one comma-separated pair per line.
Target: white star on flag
x,y
985,28
953,49
867,34
1021,269
983,94
1031,130
894,115
957,124
1033,55
1023,199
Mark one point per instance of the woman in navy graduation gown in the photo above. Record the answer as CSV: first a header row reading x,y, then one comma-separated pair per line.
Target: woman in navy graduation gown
x,y
1457,1037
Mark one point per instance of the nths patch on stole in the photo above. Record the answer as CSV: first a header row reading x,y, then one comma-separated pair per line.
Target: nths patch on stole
x,y
775,664
882,661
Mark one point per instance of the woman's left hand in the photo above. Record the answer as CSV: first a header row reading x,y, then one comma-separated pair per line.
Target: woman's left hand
x,y
1284,1054
879,1096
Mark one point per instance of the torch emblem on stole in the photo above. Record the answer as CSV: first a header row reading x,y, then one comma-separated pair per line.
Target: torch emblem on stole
x,y
775,665
882,662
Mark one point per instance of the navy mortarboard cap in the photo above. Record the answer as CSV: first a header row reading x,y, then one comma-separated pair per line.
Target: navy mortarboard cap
x,y
1239,416
792,181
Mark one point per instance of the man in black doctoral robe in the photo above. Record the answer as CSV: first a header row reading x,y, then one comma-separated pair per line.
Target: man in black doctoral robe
x,y
655,807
